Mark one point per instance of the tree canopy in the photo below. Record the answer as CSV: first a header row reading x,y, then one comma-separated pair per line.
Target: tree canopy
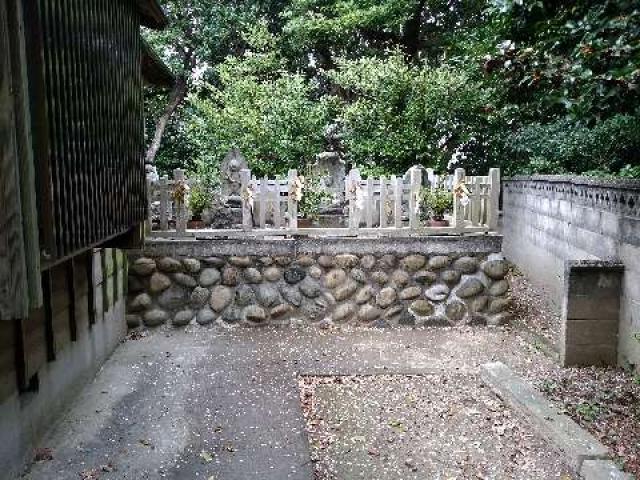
x,y
529,86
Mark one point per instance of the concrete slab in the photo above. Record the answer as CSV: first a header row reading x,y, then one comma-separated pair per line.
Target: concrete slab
x,y
567,436
603,470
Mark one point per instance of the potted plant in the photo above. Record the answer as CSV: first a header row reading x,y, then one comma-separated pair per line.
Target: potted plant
x,y
436,202
199,199
313,195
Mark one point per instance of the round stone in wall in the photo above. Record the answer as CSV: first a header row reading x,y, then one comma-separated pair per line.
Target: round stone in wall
x,y
209,277
244,295
346,260
343,312
495,269
294,275
159,282
456,311
345,291
365,294
425,277
282,260
182,318
450,277
140,302
242,262
199,297
254,314
421,308
439,261
313,309
291,294
185,280
268,295
272,274
325,261
310,288
280,310
205,316
479,304
169,265
437,293
369,313
232,315
220,298
334,278
191,265
134,284
358,275
315,272
305,261
173,297
266,261
393,313
400,278
497,305
379,277
499,288
466,265
230,276
413,263
387,261
410,293
216,262
368,262
470,288
252,275
144,266
386,297
155,318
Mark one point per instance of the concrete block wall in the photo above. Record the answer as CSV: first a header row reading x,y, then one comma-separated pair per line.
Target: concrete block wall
x,y
59,351
548,220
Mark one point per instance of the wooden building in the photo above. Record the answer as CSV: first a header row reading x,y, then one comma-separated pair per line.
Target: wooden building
x,y
72,193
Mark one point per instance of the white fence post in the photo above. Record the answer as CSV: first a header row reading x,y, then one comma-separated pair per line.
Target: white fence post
x,y
370,204
397,204
163,183
181,207
414,192
292,204
458,210
383,202
262,201
493,204
353,187
246,196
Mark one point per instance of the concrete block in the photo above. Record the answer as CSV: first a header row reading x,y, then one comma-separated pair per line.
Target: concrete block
x,y
563,433
596,307
590,332
588,355
602,470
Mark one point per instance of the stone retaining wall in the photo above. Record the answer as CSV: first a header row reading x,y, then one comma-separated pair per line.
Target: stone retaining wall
x,y
381,282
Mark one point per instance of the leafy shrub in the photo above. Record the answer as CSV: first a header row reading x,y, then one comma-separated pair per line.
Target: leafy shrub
x,y
199,200
436,202
566,147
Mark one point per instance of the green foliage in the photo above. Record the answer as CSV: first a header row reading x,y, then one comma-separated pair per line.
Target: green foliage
x,y
199,200
403,114
436,202
588,411
566,147
313,196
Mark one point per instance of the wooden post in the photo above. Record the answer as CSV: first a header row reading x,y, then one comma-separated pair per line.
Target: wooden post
x,y
397,212
275,203
370,205
414,191
493,204
181,208
163,184
474,201
149,222
263,201
245,192
292,204
383,202
458,212
353,187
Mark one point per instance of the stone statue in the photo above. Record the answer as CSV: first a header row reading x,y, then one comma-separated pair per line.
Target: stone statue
x,y
230,168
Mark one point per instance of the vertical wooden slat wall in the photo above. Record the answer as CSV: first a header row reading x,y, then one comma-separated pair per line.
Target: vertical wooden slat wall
x,y
93,82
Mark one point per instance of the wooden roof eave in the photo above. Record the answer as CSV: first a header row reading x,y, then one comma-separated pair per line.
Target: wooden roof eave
x,y
154,71
151,14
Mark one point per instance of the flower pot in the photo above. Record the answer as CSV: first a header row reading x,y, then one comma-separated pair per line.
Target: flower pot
x,y
304,222
437,222
195,224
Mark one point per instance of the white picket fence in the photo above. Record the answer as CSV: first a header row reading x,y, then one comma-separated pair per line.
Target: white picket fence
x,y
375,206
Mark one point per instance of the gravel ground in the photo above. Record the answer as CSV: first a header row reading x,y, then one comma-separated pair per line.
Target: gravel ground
x,y
441,427
605,401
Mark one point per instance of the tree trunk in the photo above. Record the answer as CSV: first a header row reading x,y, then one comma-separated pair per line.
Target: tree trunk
x,y
177,96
